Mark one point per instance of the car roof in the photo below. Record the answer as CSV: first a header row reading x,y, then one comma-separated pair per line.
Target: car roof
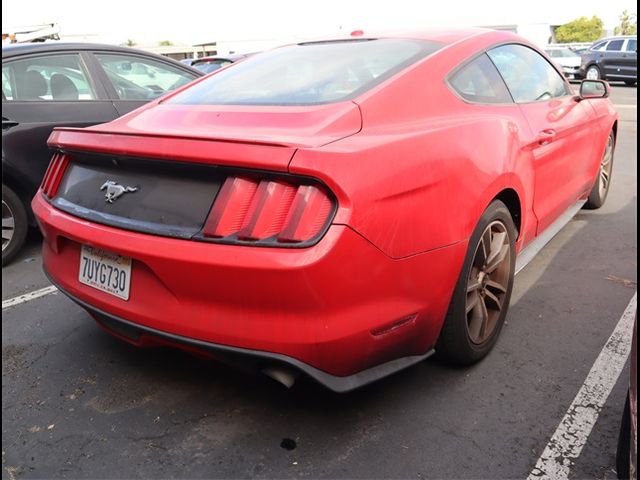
x,y
16,49
617,37
445,36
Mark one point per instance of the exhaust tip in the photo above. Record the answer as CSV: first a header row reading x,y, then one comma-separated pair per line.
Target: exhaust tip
x,y
281,375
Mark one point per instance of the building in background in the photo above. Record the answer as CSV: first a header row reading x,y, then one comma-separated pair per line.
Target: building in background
x,y
30,33
181,52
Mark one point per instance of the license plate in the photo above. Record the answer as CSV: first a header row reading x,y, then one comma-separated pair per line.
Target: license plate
x,y
105,271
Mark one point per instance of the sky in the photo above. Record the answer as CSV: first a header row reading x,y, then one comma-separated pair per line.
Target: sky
x,y
197,21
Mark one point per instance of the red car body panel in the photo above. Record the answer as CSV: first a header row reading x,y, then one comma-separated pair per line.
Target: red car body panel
x,y
411,179
308,126
266,299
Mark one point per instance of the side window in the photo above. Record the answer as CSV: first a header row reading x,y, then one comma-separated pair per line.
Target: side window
x,y
528,75
7,87
615,46
42,78
138,78
632,45
599,47
479,81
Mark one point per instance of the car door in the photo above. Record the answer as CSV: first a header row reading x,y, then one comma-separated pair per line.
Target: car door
x,y
560,133
612,58
40,92
132,80
629,61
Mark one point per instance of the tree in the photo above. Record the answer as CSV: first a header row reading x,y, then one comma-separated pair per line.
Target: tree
x,y
581,29
165,43
628,24
130,43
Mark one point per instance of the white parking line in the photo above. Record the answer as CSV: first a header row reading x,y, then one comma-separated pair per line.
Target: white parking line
x,y
28,296
574,429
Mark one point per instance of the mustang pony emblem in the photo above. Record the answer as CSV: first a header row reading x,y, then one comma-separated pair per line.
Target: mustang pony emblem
x,y
114,191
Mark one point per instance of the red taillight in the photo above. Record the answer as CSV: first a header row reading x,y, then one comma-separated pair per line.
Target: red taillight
x,y
54,174
307,215
230,208
279,211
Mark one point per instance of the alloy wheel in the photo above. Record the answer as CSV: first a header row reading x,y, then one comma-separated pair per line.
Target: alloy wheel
x,y
593,73
488,282
8,225
606,166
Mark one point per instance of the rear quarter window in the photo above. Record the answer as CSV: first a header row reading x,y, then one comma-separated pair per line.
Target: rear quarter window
x,y
478,81
632,45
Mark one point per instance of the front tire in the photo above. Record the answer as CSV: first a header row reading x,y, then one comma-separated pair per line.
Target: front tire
x,y
481,297
14,224
593,73
600,188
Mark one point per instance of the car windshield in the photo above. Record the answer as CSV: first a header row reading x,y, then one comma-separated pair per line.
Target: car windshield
x,y
561,53
308,73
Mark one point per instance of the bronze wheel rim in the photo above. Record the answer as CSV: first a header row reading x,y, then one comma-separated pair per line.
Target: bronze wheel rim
x,y
606,166
488,282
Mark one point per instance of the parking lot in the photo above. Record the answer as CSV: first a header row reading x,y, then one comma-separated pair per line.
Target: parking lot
x,y
78,403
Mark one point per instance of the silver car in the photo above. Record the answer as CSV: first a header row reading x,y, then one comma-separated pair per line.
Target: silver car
x,y
567,60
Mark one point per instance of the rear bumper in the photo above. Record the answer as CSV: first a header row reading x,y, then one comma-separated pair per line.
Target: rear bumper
x,y
254,359
339,308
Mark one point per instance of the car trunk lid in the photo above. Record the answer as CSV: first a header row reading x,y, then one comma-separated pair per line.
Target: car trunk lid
x,y
166,164
292,126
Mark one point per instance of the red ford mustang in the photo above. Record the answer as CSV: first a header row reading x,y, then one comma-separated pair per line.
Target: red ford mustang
x,y
340,208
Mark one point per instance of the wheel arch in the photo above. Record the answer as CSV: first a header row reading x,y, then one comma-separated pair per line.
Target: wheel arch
x,y
594,63
509,189
511,199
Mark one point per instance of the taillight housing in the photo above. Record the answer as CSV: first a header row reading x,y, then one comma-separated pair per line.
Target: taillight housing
x,y
53,175
274,211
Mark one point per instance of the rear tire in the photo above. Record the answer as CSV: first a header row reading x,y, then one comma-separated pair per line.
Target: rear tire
x,y
481,297
14,224
600,188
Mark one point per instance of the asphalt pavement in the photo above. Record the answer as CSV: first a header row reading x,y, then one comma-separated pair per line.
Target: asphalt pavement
x,y
77,403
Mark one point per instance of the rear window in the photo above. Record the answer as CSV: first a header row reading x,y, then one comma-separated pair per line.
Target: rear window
x,y
308,73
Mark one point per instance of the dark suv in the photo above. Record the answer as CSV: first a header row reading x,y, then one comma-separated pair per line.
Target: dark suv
x,y
47,85
614,58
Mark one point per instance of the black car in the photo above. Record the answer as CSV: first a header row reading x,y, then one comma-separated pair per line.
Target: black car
x,y
614,58
46,85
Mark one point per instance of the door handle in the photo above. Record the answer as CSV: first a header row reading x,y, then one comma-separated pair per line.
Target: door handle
x,y
7,124
545,137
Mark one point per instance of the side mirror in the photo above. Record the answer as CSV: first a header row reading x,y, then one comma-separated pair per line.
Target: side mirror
x,y
594,89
